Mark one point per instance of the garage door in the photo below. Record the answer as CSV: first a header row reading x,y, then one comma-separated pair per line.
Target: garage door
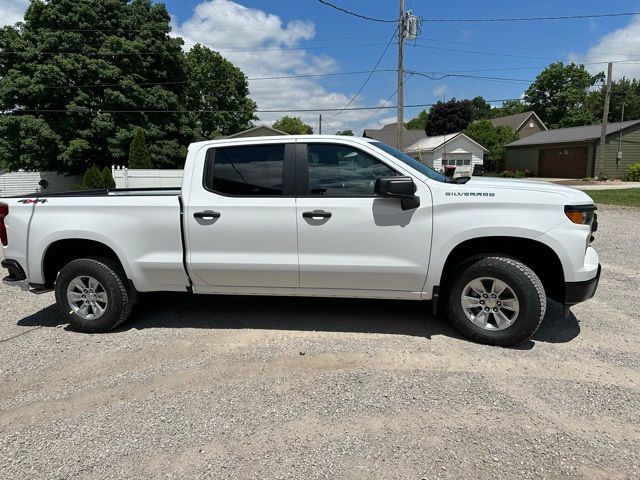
x,y
563,162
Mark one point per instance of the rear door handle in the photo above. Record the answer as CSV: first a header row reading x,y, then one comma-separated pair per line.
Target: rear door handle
x,y
206,215
316,214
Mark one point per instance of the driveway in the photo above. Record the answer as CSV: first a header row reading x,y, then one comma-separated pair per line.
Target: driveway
x,y
248,387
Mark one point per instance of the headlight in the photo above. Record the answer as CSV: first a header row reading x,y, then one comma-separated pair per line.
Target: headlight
x,y
581,214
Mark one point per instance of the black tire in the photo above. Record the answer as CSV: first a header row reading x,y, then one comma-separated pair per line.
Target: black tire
x,y
523,282
114,282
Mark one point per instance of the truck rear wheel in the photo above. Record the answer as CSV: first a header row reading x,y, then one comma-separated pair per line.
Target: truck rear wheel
x,y
497,301
92,294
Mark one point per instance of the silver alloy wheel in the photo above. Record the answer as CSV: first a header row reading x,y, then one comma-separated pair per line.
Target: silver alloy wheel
x,y
490,303
87,297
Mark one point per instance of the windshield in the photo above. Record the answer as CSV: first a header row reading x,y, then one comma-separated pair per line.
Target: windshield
x,y
412,162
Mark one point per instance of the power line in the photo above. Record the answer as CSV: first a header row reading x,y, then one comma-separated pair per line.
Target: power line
x,y
294,110
529,19
369,77
442,76
376,112
431,75
533,67
279,77
484,52
527,48
407,76
284,49
349,12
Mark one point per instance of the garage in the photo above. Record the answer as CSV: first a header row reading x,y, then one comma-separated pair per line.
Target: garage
x,y
574,152
569,162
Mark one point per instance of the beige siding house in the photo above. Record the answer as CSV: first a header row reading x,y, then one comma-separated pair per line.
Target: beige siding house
x,y
524,124
259,131
388,135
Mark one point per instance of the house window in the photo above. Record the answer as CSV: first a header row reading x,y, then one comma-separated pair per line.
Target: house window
x,y
467,162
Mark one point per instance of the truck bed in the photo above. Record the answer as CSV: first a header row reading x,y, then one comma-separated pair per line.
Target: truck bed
x,y
129,192
142,226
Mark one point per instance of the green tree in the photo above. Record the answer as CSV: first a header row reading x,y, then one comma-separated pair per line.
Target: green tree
x,y
123,50
625,91
348,133
93,179
292,126
449,117
480,109
494,139
215,84
509,107
418,122
138,153
107,178
559,95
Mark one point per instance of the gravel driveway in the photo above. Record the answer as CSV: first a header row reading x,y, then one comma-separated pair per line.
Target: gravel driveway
x,y
237,387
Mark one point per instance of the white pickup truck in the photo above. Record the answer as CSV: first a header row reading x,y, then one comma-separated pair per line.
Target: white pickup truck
x,y
310,215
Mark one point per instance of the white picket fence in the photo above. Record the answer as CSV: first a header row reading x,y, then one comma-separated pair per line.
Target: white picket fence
x,y
143,178
24,183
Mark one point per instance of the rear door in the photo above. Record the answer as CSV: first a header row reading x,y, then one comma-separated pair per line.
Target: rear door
x,y
241,219
348,238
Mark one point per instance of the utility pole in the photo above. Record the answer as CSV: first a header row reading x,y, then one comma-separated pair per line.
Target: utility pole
x,y
619,156
400,119
320,125
605,118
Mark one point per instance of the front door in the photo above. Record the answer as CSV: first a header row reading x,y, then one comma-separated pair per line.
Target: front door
x,y
350,239
241,220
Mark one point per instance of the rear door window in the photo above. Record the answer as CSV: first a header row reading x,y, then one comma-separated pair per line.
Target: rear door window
x,y
253,170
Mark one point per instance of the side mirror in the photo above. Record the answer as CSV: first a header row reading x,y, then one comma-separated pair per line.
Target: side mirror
x,y
398,187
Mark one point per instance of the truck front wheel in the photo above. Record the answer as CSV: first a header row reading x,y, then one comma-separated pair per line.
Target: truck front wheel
x,y
497,301
93,295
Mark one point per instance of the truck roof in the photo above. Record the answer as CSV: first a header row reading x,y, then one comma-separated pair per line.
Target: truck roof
x,y
282,138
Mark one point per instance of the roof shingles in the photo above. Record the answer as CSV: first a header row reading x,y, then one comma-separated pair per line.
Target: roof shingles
x,y
587,133
388,135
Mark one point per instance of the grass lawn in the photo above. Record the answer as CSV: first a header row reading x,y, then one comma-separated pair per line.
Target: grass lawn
x,y
628,196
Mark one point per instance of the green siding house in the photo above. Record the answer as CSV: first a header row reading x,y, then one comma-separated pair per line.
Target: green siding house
x,y
571,152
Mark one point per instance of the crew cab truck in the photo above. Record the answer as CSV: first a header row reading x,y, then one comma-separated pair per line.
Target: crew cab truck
x,y
327,216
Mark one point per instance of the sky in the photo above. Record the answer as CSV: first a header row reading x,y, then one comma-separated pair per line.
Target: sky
x,y
278,38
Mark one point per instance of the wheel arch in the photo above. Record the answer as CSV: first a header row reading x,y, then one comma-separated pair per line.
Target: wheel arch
x,y
538,256
61,252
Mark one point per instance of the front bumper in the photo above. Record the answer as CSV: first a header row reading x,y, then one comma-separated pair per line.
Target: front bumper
x,y
16,277
576,292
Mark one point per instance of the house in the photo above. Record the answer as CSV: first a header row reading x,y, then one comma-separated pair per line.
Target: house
x,y
571,152
524,124
451,149
388,134
257,131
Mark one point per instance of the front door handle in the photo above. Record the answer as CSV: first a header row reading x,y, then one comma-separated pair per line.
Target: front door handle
x,y
316,214
206,215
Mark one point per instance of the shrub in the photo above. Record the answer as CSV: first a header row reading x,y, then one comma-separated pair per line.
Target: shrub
x,y
516,173
587,179
107,178
633,175
138,152
93,179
